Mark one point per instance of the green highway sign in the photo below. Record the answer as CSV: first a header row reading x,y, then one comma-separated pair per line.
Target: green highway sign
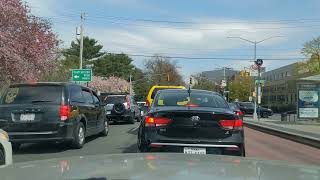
x,y
261,81
82,75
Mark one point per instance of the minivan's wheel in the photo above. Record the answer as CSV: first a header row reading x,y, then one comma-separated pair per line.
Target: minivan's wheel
x,y
105,128
79,136
2,158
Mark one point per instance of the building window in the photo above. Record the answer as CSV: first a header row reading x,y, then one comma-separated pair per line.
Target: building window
x,y
288,74
281,75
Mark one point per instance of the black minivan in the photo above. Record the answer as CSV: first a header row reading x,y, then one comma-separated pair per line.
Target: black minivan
x,y
51,112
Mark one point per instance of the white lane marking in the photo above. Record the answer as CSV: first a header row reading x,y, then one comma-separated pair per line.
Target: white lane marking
x,y
133,129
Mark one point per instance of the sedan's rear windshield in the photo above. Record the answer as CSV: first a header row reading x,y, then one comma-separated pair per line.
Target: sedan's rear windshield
x,y
115,99
158,89
33,94
196,99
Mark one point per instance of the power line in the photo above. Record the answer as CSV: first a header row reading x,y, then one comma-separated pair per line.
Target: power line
x,y
213,58
206,29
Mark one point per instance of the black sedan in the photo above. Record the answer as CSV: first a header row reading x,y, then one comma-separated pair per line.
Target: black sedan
x,y
248,108
191,122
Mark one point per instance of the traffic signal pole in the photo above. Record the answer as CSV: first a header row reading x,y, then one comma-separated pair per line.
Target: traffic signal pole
x,y
255,85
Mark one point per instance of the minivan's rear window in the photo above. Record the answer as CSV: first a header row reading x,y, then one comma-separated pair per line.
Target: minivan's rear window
x,y
115,99
196,99
27,94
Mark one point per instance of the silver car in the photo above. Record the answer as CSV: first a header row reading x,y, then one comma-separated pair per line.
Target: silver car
x,y
5,149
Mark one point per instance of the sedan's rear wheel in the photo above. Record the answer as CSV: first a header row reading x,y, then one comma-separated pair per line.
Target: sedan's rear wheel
x,y
141,146
79,136
2,157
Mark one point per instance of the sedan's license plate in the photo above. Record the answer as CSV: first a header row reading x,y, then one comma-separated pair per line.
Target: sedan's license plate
x,y
108,112
194,150
27,117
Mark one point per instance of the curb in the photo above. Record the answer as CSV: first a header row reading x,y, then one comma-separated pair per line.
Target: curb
x,y
307,140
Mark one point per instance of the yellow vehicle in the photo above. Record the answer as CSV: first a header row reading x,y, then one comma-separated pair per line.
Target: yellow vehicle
x,y
153,91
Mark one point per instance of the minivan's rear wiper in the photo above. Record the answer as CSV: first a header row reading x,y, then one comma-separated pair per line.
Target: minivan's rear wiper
x,y
39,101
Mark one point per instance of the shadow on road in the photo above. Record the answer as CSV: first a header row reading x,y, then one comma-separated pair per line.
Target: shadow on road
x,y
120,123
45,148
131,149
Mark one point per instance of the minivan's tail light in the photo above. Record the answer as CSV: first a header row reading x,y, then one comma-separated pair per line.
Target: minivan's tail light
x,y
128,102
239,113
65,112
156,121
232,124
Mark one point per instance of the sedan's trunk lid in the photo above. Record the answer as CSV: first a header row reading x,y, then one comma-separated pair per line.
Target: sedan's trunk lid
x,y
194,122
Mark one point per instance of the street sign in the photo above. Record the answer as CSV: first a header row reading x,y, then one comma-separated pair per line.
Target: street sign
x,y
260,81
259,62
82,75
223,83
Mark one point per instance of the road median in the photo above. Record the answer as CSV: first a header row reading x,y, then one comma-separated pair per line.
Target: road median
x,y
294,135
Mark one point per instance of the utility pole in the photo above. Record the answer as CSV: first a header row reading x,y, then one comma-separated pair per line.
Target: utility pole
x,y
224,78
255,85
255,58
130,84
81,38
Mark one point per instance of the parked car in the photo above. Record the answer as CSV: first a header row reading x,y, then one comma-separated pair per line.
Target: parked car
x,y
236,109
143,108
122,107
5,149
199,122
44,112
154,89
248,108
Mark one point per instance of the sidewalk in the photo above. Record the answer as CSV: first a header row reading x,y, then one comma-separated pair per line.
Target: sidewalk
x,y
298,129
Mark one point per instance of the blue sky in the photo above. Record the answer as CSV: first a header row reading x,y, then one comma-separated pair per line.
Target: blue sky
x,y
196,28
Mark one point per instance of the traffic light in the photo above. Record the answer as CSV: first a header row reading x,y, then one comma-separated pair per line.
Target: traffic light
x,y
244,73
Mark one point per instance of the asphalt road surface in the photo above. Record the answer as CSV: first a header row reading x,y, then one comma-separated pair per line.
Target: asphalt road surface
x,y
122,138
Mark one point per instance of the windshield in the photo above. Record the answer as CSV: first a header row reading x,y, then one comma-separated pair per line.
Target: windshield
x,y
115,99
181,98
233,79
33,94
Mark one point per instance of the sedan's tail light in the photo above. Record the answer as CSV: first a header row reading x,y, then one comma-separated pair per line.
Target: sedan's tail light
x,y
239,113
156,121
65,112
128,102
232,124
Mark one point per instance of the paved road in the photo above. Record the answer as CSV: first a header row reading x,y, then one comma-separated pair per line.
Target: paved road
x,y
122,139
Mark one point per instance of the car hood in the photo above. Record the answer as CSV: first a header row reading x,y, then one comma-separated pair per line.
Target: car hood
x,y
157,166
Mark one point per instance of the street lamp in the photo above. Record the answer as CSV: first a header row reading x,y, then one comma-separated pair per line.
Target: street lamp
x,y
254,59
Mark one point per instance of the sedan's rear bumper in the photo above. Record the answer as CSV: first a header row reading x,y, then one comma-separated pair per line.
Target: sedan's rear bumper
x,y
195,145
221,149
63,133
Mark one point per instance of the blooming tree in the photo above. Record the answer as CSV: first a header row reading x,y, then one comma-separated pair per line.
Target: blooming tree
x,y
26,43
111,84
